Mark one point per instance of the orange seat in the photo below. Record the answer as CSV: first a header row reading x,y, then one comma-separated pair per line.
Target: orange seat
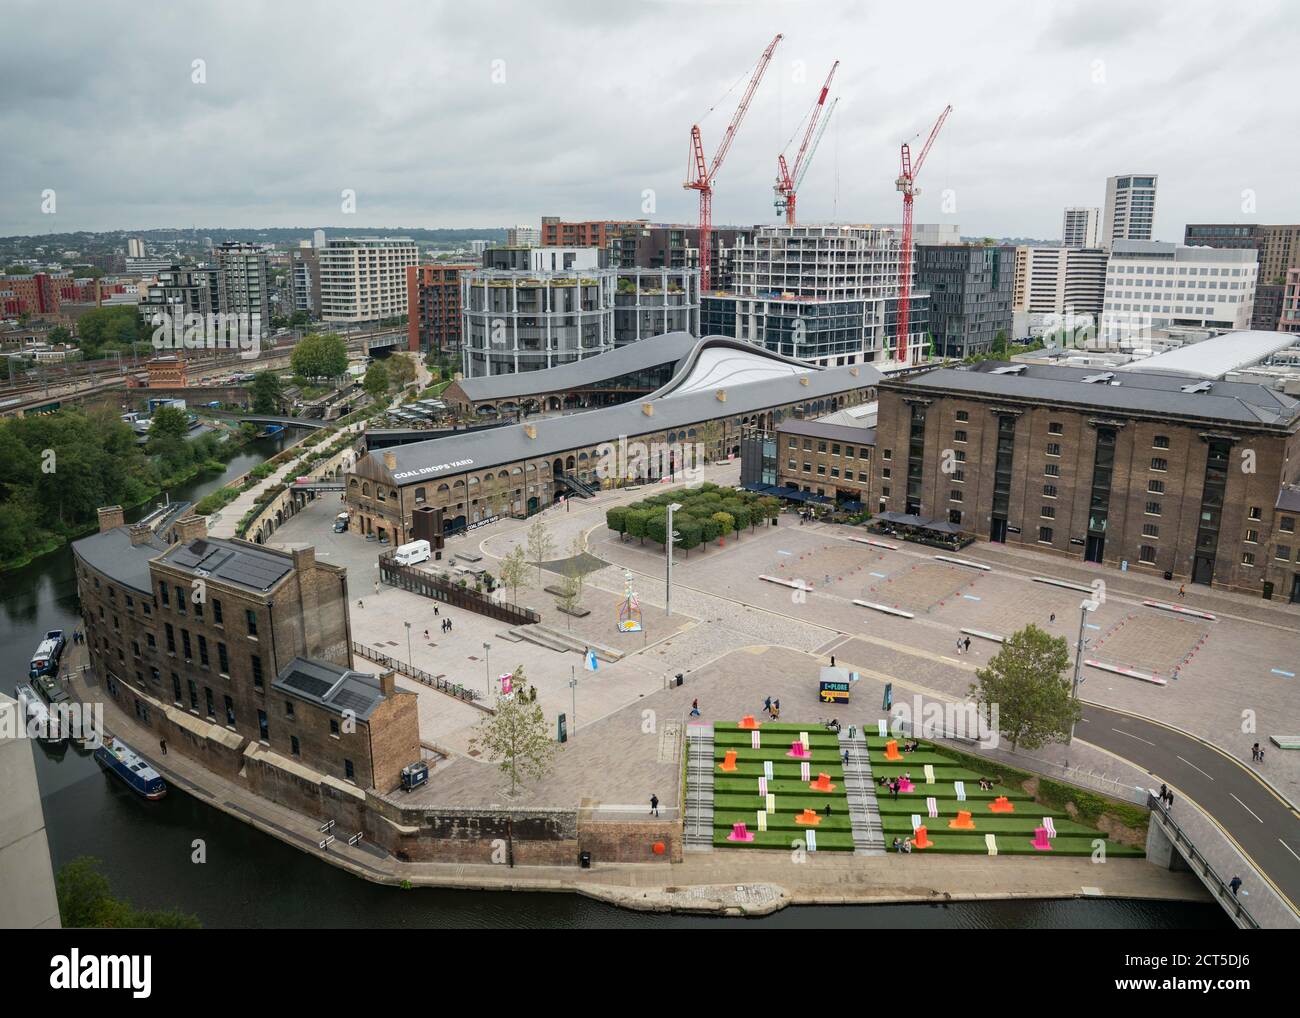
x,y
891,750
1002,805
920,840
822,784
963,821
748,721
729,762
808,817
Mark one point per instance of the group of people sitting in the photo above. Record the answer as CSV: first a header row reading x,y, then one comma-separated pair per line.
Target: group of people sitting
x,y
910,746
894,785
986,784
904,845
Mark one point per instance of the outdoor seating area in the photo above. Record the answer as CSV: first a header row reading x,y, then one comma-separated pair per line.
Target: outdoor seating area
x,y
919,530
962,811
776,783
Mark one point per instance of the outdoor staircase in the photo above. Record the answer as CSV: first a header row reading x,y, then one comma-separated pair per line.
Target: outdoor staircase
x,y
580,488
697,835
860,789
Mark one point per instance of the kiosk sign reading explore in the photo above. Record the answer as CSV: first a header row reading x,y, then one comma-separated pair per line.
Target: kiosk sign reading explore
x,y
834,685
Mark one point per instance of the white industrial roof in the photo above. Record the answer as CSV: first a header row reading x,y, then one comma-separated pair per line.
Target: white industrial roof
x,y
1215,357
721,366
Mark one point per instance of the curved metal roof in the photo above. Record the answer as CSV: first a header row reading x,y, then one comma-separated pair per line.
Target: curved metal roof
x,y
1217,356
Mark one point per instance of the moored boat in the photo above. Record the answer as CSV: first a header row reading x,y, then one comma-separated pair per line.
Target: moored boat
x,y
116,757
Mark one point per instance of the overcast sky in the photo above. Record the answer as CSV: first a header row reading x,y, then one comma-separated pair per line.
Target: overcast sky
x,y
403,104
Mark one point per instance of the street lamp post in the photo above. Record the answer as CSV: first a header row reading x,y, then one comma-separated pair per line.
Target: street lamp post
x,y
670,536
573,688
487,668
1084,608
410,660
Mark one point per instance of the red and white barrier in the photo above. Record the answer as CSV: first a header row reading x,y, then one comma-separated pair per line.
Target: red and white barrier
x,y
1132,673
1178,609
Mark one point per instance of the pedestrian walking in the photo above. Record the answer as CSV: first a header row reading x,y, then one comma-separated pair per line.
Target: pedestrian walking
x,y
967,643
1182,590
1261,754
695,708
1170,799
846,758
767,705
360,605
1164,791
435,610
1052,618
426,634
162,744
1254,752
654,804
1235,884
959,645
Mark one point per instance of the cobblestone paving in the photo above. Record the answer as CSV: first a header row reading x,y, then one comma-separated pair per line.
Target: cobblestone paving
x,y
1163,649
923,586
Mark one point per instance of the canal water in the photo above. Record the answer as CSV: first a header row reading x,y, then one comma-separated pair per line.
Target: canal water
x,y
252,880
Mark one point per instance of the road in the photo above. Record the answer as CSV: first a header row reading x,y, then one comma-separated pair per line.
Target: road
x,y
1263,825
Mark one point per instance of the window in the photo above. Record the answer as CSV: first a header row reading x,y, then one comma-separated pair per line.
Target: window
x,y
1247,558
1252,536
954,517
1047,512
886,472
1157,463
257,671
1161,442
216,613
334,729
963,416
1156,486
230,712
288,708
1150,530
162,595
889,454
1055,428
954,495
959,436
194,695
208,702
149,639
1052,470
171,638
959,455
1286,524
135,648
1044,535
203,651
1053,448
263,729
1147,554
185,642
250,617
1153,509
1282,553
293,745
1049,491
958,476
180,601
348,772
1254,512
223,659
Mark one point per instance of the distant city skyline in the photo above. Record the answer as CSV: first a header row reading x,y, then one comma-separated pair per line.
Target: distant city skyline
x,y
438,115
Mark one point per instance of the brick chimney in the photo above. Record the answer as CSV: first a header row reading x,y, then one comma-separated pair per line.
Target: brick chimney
x,y
304,559
111,516
191,528
390,461
140,533
388,682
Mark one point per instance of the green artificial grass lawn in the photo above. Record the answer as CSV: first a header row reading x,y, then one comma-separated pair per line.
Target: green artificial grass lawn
x,y
736,798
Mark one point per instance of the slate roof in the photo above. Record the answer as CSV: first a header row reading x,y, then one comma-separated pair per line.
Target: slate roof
x,y
331,686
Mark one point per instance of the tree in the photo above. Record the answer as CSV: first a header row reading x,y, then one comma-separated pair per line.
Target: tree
x,y
1026,681
690,530
516,738
401,370
710,433
320,355
726,523
86,902
616,520
59,336
636,520
656,527
514,569
267,392
1000,345
376,380
540,545
742,517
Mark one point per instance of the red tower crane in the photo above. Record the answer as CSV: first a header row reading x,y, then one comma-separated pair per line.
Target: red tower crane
x,y
704,174
787,179
907,184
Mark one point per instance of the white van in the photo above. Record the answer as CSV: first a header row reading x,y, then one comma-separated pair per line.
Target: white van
x,y
410,554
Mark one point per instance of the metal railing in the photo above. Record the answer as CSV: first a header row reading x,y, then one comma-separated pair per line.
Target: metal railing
x,y
1200,865
418,674
430,585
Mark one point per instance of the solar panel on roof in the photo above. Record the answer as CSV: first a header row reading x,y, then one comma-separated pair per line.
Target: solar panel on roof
x,y
309,684
351,700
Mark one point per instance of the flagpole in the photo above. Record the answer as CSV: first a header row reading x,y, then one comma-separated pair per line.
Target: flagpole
x,y
573,688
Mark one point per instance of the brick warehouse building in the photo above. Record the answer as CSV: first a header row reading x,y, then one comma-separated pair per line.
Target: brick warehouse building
x,y
1191,479
232,651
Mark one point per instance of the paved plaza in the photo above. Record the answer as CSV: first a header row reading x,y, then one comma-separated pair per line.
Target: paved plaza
x,y
738,639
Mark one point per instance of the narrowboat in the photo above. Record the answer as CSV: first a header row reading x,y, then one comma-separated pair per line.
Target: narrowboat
x,y
116,757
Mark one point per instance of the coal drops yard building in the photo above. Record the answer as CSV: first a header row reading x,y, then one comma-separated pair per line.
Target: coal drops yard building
x,y
717,391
